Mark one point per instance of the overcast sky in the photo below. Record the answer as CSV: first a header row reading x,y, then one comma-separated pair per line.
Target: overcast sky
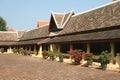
x,y
24,14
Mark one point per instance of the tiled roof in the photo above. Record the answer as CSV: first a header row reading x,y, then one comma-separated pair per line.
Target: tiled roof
x,y
36,33
102,17
90,36
26,42
8,36
58,18
7,43
20,34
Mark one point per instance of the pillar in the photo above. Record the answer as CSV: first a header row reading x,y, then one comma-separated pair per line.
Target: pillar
x,y
8,51
11,51
112,51
40,51
88,47
58,50
51,47
71,47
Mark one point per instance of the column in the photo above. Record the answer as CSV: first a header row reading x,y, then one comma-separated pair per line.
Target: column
x,y
88,47
58,50
51,47
112,46
71,47
10,50
40,51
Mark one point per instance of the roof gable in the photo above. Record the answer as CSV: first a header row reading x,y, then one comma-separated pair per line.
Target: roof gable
x,y
58,21
102,17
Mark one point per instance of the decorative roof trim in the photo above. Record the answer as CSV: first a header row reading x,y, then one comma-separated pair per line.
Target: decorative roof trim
x,y
96,8
62,24
55,19
72,12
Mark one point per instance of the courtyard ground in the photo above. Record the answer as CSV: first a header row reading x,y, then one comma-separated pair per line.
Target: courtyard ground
x,y
18,67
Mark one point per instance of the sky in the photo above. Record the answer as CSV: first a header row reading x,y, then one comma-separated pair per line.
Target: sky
x,y
24,14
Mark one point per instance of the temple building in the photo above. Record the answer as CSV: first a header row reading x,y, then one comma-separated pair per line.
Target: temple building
x,y
92,31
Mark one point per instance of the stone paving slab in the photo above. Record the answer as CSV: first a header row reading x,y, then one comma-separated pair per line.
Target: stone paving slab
x,y
18,67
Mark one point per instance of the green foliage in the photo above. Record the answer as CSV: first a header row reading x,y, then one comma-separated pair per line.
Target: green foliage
x,y
2,50
2,24
89,58
25,52
61,58
15,50
50,54
104,57
21,51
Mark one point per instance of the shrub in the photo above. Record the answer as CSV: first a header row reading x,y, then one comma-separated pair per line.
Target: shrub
x,y
76,55
60,56
104,59
2,50
21,51
51,55
15,50
89,58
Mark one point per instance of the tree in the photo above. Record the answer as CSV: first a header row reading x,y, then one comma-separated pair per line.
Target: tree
x,y
2,24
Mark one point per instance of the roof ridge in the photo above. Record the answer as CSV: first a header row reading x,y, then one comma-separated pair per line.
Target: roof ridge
x,y
96,8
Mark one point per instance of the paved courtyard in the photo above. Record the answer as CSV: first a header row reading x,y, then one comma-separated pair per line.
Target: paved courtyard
x,y
18,67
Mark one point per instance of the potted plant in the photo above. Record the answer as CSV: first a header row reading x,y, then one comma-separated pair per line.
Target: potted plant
x,y
89,59
21,51
104,59
25,52
51,55
60,56
15,50
76,55
2,50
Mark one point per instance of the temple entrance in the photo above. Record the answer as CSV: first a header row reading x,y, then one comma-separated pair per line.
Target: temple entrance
x,y
97,48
